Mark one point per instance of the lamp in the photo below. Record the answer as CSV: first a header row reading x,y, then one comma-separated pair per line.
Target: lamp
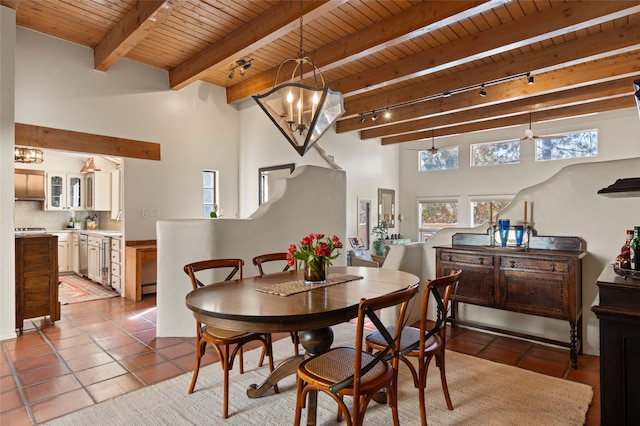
x,y
302,113
90,166
28,155
482,93
530,79
243,64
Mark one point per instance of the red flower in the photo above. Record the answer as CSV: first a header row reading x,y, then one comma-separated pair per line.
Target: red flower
x,y
315,247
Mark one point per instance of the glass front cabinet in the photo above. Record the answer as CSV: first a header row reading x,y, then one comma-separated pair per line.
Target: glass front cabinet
x,y
64,191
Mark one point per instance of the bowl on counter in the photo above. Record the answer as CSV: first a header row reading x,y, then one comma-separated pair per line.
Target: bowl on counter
x,y
92,226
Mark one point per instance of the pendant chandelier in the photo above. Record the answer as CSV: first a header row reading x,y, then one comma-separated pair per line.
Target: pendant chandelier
x,y
302,113
90,166
28,155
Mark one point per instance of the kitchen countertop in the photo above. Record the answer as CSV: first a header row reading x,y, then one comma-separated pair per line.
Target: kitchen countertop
x,y
105,232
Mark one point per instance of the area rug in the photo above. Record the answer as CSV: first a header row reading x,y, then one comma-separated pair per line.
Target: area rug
x,y
483,393
75,289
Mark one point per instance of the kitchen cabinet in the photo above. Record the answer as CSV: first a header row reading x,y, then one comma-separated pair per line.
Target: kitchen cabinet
x,y
116,264
36,265
116,195
75,252
29,185
64,191
64,252
93,261
545,281
98,195
618,311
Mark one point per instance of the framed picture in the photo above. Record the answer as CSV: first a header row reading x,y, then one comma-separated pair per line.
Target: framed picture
x,y
364,220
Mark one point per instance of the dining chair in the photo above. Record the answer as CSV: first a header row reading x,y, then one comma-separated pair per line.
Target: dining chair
x,y
227,344
258,262
350,371
427,341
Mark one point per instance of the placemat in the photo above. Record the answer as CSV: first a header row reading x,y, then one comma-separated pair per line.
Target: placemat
x,y
299,286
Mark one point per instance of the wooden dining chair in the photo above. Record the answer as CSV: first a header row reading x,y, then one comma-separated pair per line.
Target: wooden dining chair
x,y
258,262
427,341
349,371
227,344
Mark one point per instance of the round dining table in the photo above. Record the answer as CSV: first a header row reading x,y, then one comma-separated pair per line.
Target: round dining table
x,y
239,305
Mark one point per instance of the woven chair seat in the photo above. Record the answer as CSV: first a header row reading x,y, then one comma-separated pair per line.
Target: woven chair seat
x,y
219,333
337,364
409,336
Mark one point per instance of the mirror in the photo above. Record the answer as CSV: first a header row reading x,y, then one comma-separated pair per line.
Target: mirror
x,y
387,206
267,177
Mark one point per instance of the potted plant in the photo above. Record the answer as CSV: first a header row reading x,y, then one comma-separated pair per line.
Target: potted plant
x,y
380,232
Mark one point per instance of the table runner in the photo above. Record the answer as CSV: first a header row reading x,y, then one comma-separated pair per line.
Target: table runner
x,y
298,286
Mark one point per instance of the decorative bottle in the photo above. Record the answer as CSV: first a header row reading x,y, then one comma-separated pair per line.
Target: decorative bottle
x,y
635,249
624,258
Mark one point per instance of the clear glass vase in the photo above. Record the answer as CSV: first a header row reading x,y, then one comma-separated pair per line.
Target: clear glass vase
x,y
315,272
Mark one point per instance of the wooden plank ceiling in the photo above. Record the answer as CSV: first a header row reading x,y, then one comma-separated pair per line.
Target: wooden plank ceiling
x,y
423,61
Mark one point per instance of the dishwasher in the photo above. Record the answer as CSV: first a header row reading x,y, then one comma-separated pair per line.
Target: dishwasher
x,y
84,255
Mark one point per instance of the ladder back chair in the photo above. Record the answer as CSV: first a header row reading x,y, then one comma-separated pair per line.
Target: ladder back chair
x,y
350,371
427,341
227,344
258,262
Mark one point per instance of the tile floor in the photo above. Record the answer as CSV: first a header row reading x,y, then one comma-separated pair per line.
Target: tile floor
x,y
105,348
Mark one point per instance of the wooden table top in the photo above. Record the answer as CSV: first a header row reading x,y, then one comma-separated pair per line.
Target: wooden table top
x,y
237,305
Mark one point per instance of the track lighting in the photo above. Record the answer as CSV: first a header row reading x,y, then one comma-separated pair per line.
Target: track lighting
x,y
387,114
374,117
361,118
529,79
243,64
482,91
231,75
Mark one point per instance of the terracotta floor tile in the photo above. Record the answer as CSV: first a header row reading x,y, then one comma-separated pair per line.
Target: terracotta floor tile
x,y
71,342
5,370
139,325
108,334
176,351
89,361
114,387
116,342
57,333
159,372
589,362
540,365
464,346
187,362
593,416
97,327
7,383
17,417
146,335
549,353
51,388
42,374
61,405
501,355
588,377
513,345
100,373
29,351
477,337
80,351
130,350
163,342
26,339
143,360
24,364
10,400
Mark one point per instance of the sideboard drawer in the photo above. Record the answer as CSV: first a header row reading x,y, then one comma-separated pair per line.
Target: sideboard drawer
x,y
467,258
541,265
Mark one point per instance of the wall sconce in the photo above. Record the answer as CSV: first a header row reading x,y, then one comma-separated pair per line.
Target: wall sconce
x,y
28,155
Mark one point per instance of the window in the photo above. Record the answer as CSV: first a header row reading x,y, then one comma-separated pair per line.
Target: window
x,y
481,209
209,192
445,158
435,215
571,145
495,153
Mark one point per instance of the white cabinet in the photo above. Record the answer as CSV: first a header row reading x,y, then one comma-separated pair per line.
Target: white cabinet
x,y
116,264
93,261
98,195
64,191
64,258
75,252
116,197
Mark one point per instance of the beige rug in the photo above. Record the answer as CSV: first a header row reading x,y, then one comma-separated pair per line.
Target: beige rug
x,y
75,289
483,393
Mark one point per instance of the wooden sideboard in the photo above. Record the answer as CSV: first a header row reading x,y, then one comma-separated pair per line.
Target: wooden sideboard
x,y
137,253
36,278
544,281
618,310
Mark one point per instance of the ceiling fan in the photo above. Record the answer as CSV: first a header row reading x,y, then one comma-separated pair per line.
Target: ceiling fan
x,y
433,150
528,134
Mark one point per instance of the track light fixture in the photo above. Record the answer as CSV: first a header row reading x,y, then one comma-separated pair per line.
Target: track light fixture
x,y
529,78
482,91
374,117
387,114
361,118
242,64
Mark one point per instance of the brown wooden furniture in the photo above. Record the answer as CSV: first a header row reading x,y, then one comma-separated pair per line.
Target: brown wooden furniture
x,y
544,280
239,307
258,262
427,341
347,371
36,278
618,310
137,253
227,344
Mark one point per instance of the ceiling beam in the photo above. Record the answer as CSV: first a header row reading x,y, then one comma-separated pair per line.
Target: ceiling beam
x,y
134,27
277,21
551,114
412,22
536,27
601,91
67,140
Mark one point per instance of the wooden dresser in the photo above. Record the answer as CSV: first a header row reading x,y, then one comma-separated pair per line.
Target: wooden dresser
x,y
36,278
618,309
543,280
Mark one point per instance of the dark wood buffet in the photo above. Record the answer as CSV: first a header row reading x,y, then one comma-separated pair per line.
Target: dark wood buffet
x,y
36,277
544,280
618,310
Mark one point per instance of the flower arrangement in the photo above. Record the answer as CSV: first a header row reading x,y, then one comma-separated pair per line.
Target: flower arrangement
x,y
315,247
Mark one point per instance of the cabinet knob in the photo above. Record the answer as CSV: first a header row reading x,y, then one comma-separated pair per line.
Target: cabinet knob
x,y
553,267
481,259
512,263
449,258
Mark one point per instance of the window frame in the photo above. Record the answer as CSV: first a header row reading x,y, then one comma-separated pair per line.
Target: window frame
x,y
216,193
432,230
